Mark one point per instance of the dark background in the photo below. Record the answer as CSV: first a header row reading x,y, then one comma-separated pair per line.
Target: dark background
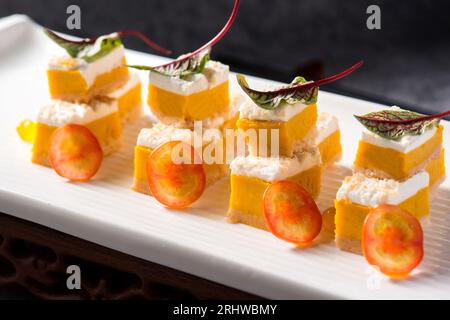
x,y
407,62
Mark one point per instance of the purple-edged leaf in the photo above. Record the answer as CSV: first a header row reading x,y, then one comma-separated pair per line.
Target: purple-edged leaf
x,y
181,67
395,124
87,49
73,48
271,100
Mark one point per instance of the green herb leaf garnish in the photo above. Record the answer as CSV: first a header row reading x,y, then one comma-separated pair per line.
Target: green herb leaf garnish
x,y
88,49
395,124
72,47
299,90
105,46
182,68
271,100
93,49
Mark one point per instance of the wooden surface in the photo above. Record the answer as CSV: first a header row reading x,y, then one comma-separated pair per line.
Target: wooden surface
x,y
36,258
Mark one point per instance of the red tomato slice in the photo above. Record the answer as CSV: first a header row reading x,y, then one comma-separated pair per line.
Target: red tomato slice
x,y
392,240
74,152
174,178
291,213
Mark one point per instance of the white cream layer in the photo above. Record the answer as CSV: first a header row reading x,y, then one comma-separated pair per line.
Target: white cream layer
x,y
161,133
249,110
57,112
131,83
275,168
214,74
89,71
371,192
404,145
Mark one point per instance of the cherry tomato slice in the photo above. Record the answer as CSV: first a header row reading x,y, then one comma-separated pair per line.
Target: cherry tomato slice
x,y
291,213
392,240
74,152
174,178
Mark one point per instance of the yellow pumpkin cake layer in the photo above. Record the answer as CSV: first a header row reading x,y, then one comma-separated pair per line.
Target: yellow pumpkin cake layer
x,y
251,175
129,99
331,148
436,170
398,159
360,193
100,116
328,138
282,127
74,79
151,138
195,97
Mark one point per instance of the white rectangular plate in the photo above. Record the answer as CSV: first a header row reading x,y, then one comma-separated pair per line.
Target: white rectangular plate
x,y
198,240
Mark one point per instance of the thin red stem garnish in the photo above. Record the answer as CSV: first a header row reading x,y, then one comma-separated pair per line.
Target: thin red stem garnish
x,y
317,83
412,120
213,41
338,76
145,39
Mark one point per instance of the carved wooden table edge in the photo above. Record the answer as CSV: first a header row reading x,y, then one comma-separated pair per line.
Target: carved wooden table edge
x,y
36,258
